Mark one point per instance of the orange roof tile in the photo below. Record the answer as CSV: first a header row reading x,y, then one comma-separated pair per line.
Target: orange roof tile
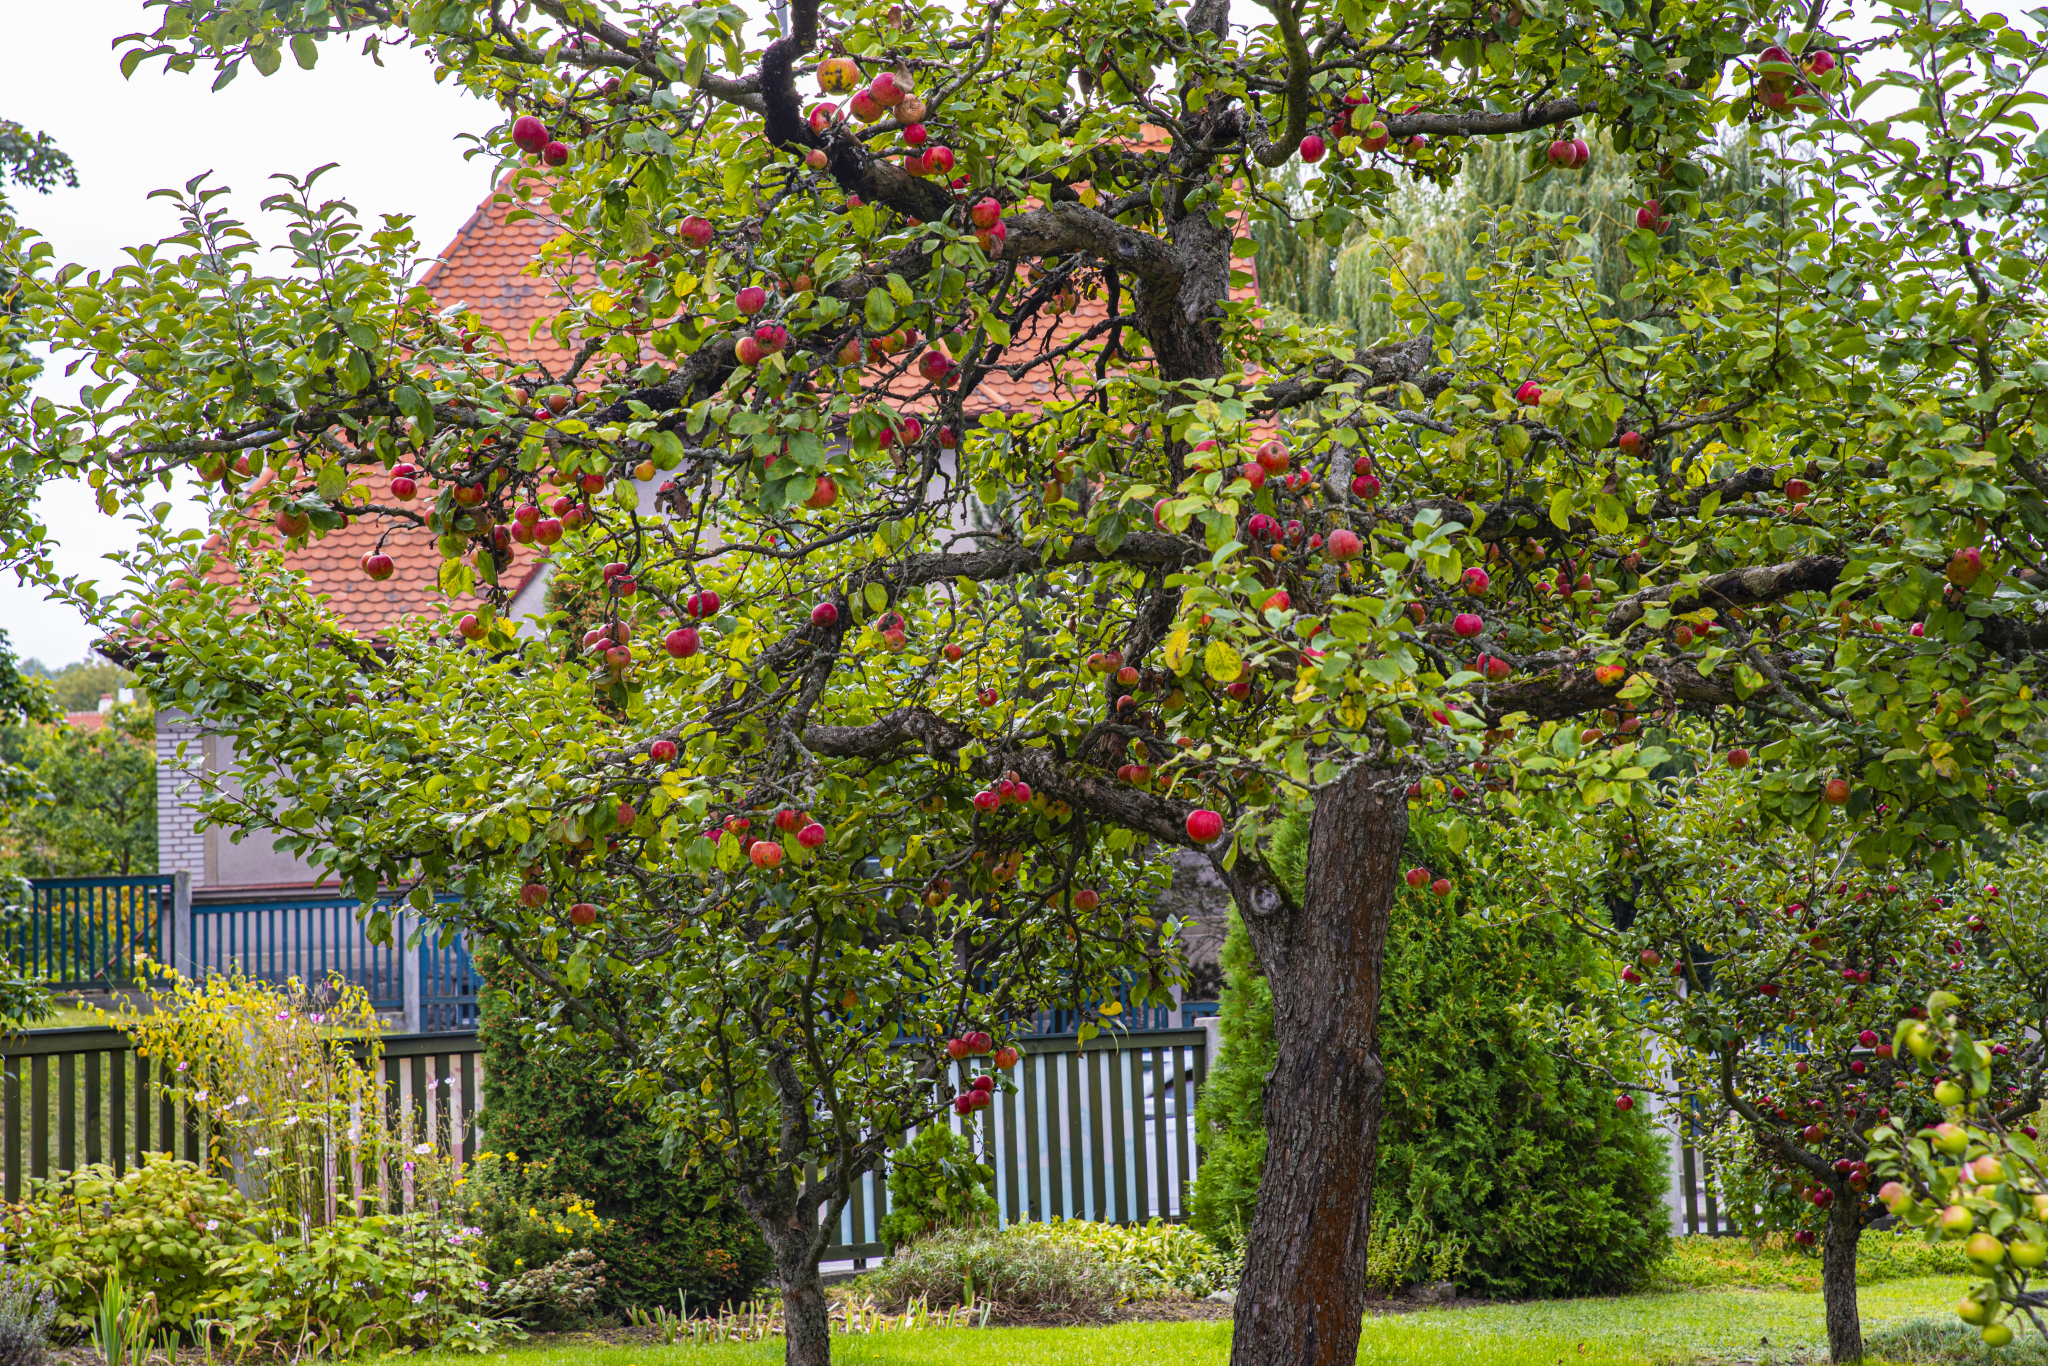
x,y
333,565
485,268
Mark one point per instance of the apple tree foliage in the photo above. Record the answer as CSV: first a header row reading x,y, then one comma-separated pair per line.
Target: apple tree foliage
x,y
1762,974
1976,1177
1795,497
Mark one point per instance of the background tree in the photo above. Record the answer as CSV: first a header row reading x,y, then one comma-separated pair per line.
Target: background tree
x,y
1809,436
1763,971
91,810
1428,238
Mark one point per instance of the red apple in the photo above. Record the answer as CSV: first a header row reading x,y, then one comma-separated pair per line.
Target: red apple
x,y
378,565
1624,1103
1631,443
1312,148
1529,394
404,488
1005,1058
555,154
751,300
1836,792
583,913
698,232
1966,566
529,134
1418,877
1204,826
985,214
824,495
811,836
1476,582
765,853
1343,545
956,1048
662,751
533,895
1442,886
1467,624
681,642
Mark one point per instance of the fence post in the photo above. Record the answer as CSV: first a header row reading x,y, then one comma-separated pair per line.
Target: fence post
x,y
1212,1026
177,927
409,971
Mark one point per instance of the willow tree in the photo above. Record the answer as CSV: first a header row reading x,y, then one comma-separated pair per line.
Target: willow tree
x,y
1224,571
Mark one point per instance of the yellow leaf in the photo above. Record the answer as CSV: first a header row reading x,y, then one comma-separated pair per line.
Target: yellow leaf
x,y
1224,664
1176,650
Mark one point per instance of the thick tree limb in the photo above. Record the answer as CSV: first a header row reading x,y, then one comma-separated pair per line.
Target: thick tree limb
x,y
1736,588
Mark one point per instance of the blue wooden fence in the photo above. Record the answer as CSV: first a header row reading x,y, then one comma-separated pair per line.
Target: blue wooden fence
x,y
77,932
84,934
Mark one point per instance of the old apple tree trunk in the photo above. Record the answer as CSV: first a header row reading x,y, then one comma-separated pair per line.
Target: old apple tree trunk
x,y
1304,1288
1838,1276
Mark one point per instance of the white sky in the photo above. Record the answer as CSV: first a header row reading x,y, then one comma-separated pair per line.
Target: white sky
x,y
392,131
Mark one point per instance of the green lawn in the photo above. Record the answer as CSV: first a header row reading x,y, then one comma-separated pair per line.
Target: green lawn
x,y
1632,1330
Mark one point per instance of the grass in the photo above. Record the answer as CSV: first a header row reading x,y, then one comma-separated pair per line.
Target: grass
x,y
1702,1263
1907,1317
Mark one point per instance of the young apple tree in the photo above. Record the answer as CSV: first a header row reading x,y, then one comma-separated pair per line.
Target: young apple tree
x,y
1216,571
1764,971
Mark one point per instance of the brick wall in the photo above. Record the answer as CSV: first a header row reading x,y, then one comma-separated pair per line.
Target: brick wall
x,y
180,846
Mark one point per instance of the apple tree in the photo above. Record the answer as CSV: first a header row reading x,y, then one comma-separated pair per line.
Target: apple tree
x,y
1223,572
1763,972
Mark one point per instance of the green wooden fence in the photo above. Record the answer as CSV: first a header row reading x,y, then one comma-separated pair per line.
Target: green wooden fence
x,y
70,1097
1103,1130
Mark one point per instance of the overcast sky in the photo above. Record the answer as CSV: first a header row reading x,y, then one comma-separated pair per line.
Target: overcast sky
x,y
391,130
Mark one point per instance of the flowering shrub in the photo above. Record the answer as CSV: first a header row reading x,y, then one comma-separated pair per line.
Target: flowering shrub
x,y
375,1283
559,1295
163,1225
1153,1261
275,1075
522,1231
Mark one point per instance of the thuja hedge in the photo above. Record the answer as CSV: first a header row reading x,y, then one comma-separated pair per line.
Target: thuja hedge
x,y
1485,1132
663,1231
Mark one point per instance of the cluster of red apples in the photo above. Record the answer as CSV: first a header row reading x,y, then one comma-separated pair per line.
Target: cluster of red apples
x,y
767,854
980,1092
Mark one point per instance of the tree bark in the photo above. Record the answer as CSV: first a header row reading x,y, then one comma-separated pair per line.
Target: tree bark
x,y
806,1319
1304,1288
1838,1276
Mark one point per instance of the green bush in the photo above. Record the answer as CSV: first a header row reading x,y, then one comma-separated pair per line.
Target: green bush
x,y
936,1182
164,1224
1154,1261
1484,1133
556,1115
205,1252
1023,1276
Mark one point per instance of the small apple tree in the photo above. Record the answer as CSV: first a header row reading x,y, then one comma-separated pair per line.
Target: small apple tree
x,y
1226,571
1764,971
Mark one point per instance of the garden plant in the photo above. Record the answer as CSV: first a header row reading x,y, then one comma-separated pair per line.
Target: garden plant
x,y
870,731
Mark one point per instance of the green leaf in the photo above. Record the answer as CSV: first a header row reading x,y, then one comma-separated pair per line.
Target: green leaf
x,y
1561,509
880,310
876,595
